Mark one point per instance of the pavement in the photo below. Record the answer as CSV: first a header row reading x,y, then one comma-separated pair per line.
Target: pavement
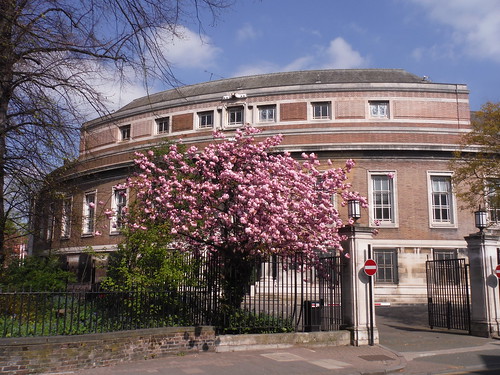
x,y
407,346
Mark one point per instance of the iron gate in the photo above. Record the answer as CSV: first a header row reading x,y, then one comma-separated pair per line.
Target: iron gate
x,y
448,294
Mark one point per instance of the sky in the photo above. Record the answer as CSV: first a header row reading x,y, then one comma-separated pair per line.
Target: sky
x,y
449,41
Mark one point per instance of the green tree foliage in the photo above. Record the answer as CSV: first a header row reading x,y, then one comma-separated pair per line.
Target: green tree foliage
x,y
477,164
35,273
145,260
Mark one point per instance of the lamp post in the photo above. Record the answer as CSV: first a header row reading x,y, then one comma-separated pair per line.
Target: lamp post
x,y
354,209
481,219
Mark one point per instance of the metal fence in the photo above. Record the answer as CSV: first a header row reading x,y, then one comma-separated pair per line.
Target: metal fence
x,y
283,294
448,294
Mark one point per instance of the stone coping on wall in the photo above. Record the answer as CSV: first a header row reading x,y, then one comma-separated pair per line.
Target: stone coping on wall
x,y
31,355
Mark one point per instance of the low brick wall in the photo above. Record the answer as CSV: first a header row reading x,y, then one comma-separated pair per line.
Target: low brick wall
x,y
31,355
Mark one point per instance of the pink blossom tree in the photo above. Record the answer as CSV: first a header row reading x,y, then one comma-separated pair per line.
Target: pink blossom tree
x,y
240,200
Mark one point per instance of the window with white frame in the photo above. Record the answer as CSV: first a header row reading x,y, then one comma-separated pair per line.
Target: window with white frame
x,y
163,125
387,266
267,113
493,201
379,109
321,110
441,200
118,205
89,212
206,119
66,217
124,132
382,193
235,116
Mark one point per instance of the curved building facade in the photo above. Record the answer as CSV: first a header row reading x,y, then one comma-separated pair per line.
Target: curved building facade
x,y
400,129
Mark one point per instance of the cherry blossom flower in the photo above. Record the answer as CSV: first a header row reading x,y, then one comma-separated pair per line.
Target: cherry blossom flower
x,y
240,196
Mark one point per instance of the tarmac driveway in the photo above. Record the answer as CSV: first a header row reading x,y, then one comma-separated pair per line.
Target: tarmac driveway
x,y
405,329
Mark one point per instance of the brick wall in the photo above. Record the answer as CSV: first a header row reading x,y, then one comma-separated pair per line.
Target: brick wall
x,y
20,356
293,111
182,122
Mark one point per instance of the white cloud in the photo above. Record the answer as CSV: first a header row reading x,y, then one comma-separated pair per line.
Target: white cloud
x,y
340,55
337,55
247,32
189,49
300,64
475,24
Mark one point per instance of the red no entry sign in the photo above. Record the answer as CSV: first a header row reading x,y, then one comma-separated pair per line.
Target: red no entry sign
x,y
497,271
370,267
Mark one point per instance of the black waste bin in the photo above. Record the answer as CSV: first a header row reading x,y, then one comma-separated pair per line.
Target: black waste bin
x,y
312,315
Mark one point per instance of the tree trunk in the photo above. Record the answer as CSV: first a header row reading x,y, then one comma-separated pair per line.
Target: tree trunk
x,y
7,58
237,272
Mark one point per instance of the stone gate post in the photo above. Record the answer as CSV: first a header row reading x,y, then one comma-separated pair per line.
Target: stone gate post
x,y
485,301
357,296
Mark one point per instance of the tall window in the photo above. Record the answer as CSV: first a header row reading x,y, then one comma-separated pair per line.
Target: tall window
x,y
267,113
235,115
124,132
321,110
382,192
206,119
441,200
162,125
379,109
66,217
50,221
387,265
494,201
118,204
89,213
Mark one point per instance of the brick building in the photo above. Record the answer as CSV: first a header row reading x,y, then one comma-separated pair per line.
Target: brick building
x,y
400,129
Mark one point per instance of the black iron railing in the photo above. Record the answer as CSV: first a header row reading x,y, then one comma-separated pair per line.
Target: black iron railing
x,y
282,294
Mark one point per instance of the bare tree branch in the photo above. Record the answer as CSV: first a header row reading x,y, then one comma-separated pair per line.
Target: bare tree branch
x,y
52,55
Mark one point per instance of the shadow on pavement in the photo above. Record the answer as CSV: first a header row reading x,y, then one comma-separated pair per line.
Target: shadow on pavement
x,y
406,329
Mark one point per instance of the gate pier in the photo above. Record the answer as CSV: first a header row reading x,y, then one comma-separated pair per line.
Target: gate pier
x,y
357,291
485,297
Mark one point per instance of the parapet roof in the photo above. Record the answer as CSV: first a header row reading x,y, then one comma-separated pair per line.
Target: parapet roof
x,y
308,77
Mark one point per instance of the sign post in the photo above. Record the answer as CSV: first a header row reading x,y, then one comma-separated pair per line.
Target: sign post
x,y
370,269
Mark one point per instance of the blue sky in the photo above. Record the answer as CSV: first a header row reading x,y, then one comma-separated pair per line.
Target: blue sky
x,y
450,41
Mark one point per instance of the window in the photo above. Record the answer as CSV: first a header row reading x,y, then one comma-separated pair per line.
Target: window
x,y
445,254
441,200
321,110
493,201
235,116
118,204
66,217
379,109
267,113
124,132
162,125
387,266
382,195
88,213
206,119
50,222
446,268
